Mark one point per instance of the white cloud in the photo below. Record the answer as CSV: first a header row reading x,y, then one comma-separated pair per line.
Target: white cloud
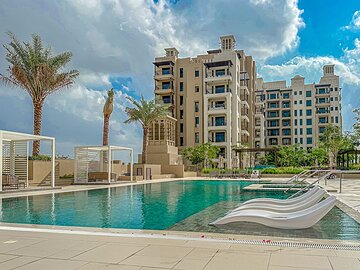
x,y
355,22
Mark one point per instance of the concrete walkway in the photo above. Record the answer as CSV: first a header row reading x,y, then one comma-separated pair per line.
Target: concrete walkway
x,y
41,250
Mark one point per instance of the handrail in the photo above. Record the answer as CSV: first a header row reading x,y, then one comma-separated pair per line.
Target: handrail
x,y
312,173
329,172
296,176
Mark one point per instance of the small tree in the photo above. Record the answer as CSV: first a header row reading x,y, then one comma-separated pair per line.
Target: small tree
x,y
201,154
195,155
333,141
318,157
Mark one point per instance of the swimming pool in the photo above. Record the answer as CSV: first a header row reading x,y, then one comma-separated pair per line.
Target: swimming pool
x,y
175,205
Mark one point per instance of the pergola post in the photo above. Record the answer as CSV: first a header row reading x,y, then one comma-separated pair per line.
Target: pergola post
x,y
1,159
53,163
131,165
109,163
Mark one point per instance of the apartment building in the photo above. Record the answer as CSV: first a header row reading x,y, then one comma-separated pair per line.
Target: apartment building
x,y
299,113
212,96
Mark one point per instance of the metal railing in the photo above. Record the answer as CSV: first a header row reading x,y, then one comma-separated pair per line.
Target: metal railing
x,y
323,177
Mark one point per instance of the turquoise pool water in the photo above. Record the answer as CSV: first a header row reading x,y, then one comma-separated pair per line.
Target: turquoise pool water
x,y
179,205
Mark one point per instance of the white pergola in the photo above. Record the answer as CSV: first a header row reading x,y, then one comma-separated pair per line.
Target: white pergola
x,y
14,154
97,159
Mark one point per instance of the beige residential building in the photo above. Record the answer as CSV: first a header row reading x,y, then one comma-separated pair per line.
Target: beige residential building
x,y
212,97
299,113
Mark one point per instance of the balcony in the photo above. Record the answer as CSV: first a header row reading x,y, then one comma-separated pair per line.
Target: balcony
x,y
217,109
163,76
217,123
166,91
218,92
218,76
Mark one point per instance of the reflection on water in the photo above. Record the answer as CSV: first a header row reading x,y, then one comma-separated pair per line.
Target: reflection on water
x,y
181,205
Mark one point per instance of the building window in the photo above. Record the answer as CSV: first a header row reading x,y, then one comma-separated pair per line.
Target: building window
x,y
220,121
166,99
295,112
300,93
197,73
166,85
272,96
301,140
309,131
295,93
197,121
181,86
308,103
308,93
286,114
181,100
181,127
197,137
301,131
295,131
331,99
300,102
309,140
286,95
181,114
219,89
286,132
295,122
308,112
295,102
336,98
196,106
166,71
301,122
181,73
197,89
296,140
220,72
309,122
220,137
336,108
181,141
336,119
321,129
300,112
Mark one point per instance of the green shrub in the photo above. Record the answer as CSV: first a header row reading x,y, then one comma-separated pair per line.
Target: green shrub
x,y
284,170
40,157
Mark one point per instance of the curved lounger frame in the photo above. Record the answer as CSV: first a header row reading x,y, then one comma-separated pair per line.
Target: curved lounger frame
x,y
288,208
285,201
297,220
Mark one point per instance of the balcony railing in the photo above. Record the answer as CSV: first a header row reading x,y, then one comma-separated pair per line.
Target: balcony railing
x,y
221,107
217,124
214,91
218,75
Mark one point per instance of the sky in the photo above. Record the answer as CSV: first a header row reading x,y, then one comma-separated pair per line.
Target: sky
x,y
114,43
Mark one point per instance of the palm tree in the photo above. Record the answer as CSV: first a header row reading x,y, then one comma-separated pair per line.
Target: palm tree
x,y
36,70
145,112
108,109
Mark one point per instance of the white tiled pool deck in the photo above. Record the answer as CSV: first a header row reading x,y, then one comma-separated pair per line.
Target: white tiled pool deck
x,y
46,247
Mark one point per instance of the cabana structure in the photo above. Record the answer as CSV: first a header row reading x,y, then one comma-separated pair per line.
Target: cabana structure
x,y
94,164
14,158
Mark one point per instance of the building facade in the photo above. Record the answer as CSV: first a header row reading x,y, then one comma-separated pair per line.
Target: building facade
x,y
212,96
217,97
299,113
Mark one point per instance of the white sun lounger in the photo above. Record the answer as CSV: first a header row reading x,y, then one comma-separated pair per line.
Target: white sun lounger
x,y
285,201
297,220
284,208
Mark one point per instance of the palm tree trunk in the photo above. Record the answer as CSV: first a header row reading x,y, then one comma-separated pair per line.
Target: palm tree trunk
x,y
106,129
145,143
37,126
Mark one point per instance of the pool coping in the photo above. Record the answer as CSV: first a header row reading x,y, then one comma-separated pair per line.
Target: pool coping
x,y
186,235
